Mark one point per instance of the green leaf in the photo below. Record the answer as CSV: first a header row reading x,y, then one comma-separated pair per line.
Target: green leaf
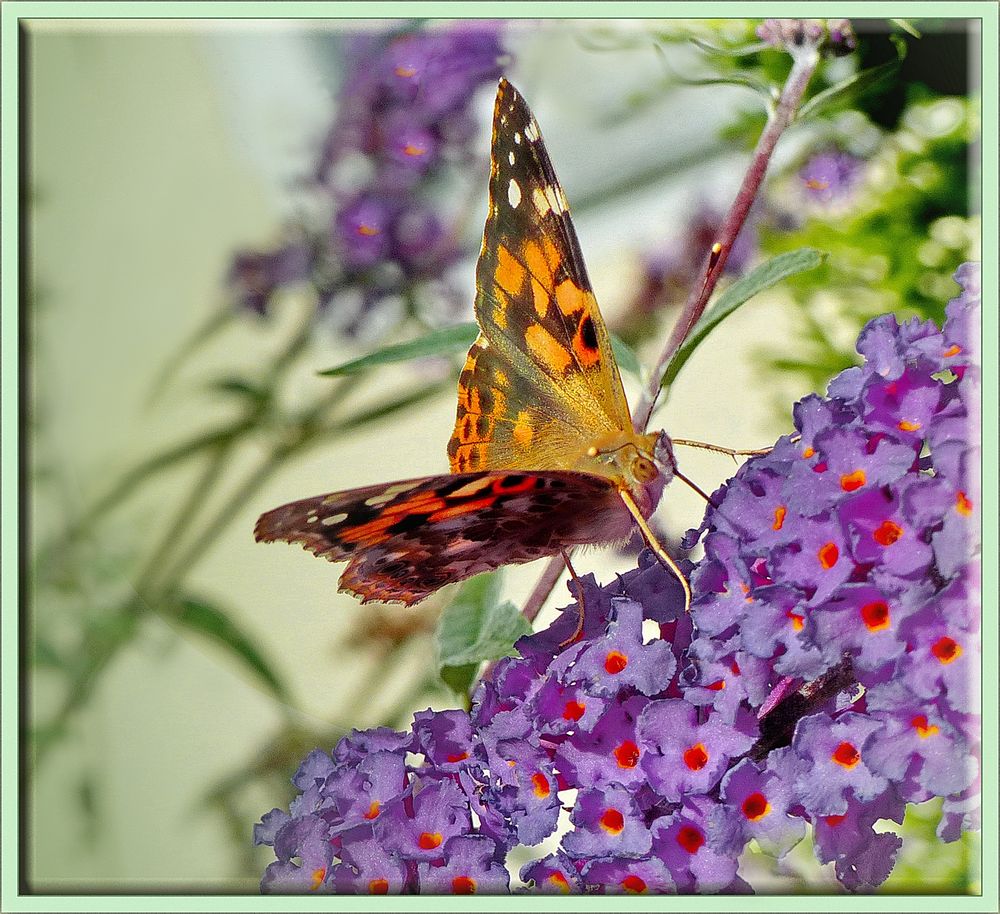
x,y
760,278
214,623
389,407
475,628
743,50
625,357
242,388
848,89
447,339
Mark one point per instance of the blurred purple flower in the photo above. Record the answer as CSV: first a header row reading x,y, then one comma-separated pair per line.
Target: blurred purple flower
x,y
831,176
255,276
403,119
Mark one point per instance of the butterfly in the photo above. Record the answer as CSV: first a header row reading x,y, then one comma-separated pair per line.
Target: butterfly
x,y
543,456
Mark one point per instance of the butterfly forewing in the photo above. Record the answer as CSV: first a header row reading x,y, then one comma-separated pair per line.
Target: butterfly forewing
x,y
540,383
404,540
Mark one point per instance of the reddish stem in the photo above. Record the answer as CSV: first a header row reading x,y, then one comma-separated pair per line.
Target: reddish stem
x,y
803,66
804,61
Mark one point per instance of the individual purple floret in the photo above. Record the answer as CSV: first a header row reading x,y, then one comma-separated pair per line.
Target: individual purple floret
x,y
831,176
825,676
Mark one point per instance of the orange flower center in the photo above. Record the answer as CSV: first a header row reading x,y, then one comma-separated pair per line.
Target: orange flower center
x,y
463,885
615,662
558,880
690,838
429,840
828,555
755,807
696,757
633,884
779,517
378,887
923,728
946,649
846,755
573,710
962,504
875,615
851,481
887,533
627,754
612,821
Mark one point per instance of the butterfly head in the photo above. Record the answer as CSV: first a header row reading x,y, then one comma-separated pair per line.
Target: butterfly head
x,y
644,463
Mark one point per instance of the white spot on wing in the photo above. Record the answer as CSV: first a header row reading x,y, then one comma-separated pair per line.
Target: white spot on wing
x,y
531,131
471,488
335,519
517,138
389,494
514,193
548,199
312,519
510,157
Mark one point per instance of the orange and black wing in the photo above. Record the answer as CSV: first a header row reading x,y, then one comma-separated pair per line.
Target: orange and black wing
x,y
540,384
405,540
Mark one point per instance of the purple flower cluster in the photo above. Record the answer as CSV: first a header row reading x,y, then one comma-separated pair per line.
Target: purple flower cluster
x,y
403,117
834,36
825,676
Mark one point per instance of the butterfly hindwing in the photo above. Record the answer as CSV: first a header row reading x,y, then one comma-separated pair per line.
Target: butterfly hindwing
x,y
542,369
404,540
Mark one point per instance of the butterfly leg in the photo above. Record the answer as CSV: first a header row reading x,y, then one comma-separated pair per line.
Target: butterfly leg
x,y
654,544
691,484
580,604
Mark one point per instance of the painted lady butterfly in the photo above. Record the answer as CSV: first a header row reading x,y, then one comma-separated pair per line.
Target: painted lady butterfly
x,y
543,456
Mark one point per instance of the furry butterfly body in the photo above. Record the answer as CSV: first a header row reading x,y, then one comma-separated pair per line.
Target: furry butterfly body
x,y
543,455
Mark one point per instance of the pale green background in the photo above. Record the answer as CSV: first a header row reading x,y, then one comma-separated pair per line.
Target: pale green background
x,y
150,168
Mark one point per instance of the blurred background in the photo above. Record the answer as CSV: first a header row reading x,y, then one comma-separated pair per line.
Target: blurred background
x,y
203,199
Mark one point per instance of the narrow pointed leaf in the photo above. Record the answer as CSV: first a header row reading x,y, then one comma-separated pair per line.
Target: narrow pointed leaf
x,y
848,89
207,620
760,278
447,339
744,50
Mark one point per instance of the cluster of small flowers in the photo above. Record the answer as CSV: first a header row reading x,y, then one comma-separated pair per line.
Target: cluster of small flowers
x,y
825,675
404,116
835,36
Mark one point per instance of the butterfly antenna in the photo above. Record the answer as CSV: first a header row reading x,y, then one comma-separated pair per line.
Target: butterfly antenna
x,y
654,544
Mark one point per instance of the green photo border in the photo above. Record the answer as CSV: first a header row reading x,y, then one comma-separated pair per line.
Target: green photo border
x,y
11,14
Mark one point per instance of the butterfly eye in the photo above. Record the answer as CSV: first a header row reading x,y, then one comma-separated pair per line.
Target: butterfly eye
x,y
644,470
